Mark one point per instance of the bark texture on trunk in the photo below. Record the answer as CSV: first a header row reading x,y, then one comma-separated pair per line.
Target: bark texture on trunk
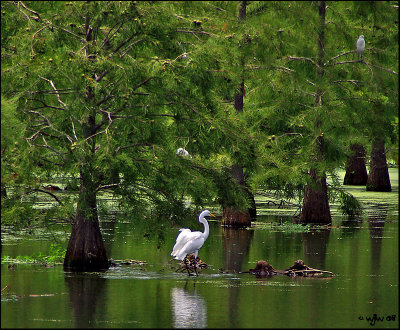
x,y
356,171
378,178
86,251
316,208
231,216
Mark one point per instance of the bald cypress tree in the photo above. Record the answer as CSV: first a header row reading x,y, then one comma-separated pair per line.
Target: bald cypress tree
x,y
233,216
107,91
315,97
316,205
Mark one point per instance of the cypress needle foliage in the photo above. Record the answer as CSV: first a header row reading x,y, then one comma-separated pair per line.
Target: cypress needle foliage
x,y
111,90
281,90
117,87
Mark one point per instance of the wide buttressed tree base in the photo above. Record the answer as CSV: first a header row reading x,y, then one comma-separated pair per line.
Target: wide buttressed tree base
x,y
378,178
86,251
356,172
315,204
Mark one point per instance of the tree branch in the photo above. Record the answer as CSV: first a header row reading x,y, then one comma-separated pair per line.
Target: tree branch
x,y
384,69
142,144
55,89
107,38
346,62
21,4
51,125
108,186
123,43
302,59
46,192
142,83
71,33
130,46
98,78
345,53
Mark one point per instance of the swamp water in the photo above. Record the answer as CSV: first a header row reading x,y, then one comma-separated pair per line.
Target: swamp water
x,y
362,253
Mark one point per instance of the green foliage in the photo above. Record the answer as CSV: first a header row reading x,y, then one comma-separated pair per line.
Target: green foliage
x,y
18,215
349,205
112,89
289,227
55,255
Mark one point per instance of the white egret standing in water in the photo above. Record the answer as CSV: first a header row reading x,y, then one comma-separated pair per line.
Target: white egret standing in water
x,y
189,241
360,46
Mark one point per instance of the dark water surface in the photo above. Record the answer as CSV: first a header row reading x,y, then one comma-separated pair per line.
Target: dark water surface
x,y
363,254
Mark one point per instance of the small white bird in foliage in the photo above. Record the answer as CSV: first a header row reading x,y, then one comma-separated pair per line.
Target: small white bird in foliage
x,y
191,241
183,152
360,46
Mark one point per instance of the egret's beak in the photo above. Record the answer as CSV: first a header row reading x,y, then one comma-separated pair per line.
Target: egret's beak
x,y
213,215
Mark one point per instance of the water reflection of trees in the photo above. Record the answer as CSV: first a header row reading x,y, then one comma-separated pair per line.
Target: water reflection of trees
x,y
314,244
376,223
86,293
236,245
189,308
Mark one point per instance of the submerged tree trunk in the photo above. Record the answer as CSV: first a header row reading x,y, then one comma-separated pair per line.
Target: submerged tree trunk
x,y
378,178
316,204
86,251
356,171
231,216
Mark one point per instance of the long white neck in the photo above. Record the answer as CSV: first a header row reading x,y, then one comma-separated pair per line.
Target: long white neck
x,y
206,227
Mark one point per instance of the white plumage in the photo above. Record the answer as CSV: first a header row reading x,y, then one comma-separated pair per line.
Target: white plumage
x,y
360,46
189,241
183,152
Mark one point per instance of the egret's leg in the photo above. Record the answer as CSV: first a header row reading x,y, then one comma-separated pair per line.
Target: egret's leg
x,y
195,262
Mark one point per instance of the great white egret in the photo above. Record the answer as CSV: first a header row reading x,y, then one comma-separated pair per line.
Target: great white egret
x,y
360,46
189,241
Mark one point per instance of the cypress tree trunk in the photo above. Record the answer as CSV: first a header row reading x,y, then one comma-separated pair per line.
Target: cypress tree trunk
x,y
356,172
315,204
86,251
231,216
378,178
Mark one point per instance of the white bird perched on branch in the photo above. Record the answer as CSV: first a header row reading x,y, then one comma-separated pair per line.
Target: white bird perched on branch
x,y
191,241
360,46
183,152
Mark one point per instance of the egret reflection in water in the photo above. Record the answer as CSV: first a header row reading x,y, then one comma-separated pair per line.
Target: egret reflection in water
x,y
189,309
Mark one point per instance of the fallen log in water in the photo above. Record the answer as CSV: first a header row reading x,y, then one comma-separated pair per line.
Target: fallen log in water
x,y
126,262
264,269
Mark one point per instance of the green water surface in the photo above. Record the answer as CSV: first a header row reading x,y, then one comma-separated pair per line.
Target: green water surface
x,y
363,254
